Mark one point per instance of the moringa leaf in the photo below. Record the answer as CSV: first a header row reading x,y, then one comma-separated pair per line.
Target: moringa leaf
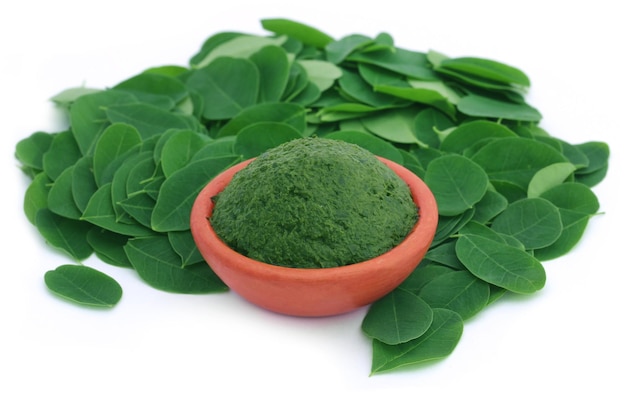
x,y
84,285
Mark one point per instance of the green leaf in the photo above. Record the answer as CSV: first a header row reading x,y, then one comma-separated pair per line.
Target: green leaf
x,y
36,196
178,193
515,160
304,33
29,151
423,95
337,51
423,274
485,107
61,198
256,138
322,73
576,203
139,207
83,182
409,63
457,183
393,125
210,44
109,246
357,88
535,222
227,86
487,69
501,264
65,234
289,113
66,97
459,291
489,206
273,65
548,177
88,116
148,119
158,265
119,190
179,149
436,343
376,145
398,317
115,142
156,89
184,245
236,46
63,153
84,285
100,211
430,125
472,133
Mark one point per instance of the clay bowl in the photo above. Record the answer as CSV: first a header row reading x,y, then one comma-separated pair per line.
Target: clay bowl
x,y
314,292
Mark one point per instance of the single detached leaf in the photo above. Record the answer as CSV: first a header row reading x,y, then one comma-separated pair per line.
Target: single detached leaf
x,y
501,264
457,183
398,317
84,285
436,343
157,263
535,222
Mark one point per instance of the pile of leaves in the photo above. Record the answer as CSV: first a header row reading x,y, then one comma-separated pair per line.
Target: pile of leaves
x,y
120,181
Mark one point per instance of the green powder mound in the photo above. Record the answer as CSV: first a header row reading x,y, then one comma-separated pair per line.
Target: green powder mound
x,y
314,202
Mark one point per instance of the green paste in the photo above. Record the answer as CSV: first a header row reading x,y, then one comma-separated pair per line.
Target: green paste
x,y
314,202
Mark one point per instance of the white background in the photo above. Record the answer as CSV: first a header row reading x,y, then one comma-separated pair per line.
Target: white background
x,y
568,336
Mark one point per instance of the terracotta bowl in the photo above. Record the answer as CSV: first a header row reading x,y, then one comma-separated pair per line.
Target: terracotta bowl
x,y
314,291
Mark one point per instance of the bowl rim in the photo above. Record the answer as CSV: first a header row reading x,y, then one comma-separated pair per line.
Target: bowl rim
x,y
421,233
